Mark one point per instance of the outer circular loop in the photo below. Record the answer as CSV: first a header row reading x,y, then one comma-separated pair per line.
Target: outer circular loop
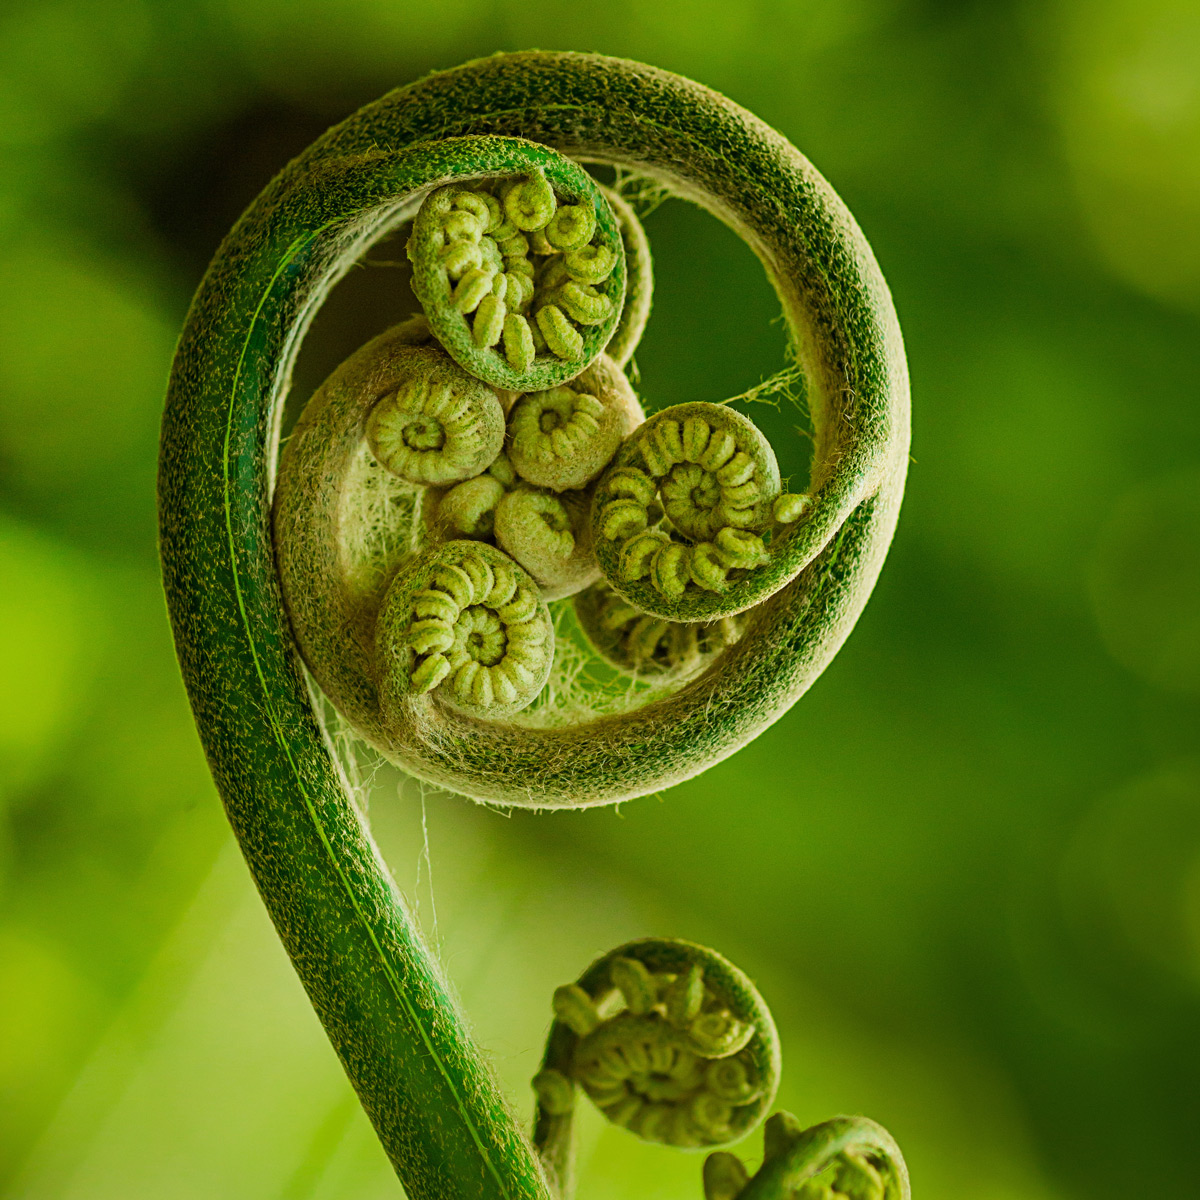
x,y
359,181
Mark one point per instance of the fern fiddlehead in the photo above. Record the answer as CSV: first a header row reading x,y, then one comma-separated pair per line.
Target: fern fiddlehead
x,y
707,536
564,438
682,511
666,1038
673,1042
434,647
467,623
439,425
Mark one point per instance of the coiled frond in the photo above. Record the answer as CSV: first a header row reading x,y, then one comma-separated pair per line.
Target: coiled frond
x,y
522,279
564,438
683,514
438,425
550,536
667,1039
683,509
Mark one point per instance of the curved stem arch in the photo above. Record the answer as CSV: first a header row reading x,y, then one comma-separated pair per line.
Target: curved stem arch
x,y
375,988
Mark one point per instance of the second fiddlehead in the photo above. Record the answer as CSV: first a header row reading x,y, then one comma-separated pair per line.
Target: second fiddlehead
x,y
673,1042
668,1039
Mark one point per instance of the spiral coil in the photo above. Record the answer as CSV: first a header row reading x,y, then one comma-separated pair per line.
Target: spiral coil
x,y
535,283
467,622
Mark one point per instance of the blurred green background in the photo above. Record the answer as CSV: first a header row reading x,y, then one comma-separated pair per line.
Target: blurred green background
x,y
965,869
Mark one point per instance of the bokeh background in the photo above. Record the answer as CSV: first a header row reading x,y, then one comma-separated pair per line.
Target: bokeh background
x,y
965,869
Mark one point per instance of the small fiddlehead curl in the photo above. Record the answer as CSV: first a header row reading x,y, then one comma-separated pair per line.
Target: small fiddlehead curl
x,y
647,646
680,515
465,623
848,1158
468,510
671,1041
550,536
522,279
564,438
667,1039
439,424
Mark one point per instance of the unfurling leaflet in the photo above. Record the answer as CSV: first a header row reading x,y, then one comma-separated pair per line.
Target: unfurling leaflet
x,y
848,1158
674,1043
466,622
522,282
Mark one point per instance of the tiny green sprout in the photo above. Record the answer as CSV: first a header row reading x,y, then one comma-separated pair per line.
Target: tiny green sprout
x,y
683,510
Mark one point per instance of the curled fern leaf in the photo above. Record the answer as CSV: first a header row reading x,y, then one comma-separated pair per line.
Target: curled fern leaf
x,y
269,569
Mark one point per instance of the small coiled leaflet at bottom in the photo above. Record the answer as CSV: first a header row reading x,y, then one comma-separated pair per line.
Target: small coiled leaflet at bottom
x,y
667,1039
847,1158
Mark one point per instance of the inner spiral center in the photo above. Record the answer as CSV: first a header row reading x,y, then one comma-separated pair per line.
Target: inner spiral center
x,y
556,518
424,433
482,634
707,493
549,421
